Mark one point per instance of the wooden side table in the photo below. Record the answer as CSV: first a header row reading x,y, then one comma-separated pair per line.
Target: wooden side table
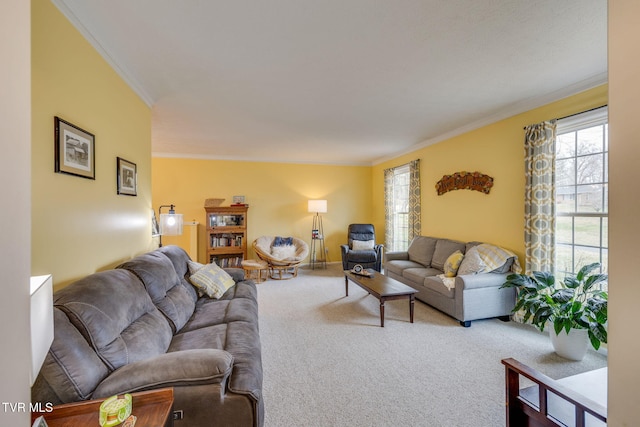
x,y
152,408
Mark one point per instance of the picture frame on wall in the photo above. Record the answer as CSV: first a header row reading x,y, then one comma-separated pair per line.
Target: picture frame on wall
x,y
74,150
127,177
155,227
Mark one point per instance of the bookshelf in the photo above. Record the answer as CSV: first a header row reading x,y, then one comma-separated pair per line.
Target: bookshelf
x,y
226,235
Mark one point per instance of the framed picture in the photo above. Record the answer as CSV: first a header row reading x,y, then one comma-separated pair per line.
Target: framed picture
x,y
127,178
155,228
74,150
238,200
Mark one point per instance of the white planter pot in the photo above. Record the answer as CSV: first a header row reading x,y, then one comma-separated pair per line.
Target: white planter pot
x,y
572,346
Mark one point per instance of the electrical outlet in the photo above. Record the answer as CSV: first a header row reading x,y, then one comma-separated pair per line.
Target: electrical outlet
x,y
178,415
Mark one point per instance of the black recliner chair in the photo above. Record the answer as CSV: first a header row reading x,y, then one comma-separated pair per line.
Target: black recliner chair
x,y
362,248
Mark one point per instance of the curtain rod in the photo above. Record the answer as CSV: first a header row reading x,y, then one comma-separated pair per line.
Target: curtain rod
x,y
581,112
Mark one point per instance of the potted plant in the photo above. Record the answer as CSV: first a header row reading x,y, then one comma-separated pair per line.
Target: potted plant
x,y
575,304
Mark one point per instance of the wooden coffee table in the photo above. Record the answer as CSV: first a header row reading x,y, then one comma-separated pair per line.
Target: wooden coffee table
x,y
382,287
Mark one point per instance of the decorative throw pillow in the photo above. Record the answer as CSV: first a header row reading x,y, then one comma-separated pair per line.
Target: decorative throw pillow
x,y
452,264
362,245
283,252
472,263
282,241
210,279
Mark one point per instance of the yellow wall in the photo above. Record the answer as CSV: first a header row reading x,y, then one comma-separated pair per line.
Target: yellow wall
x,y
79,225
277,194
495,150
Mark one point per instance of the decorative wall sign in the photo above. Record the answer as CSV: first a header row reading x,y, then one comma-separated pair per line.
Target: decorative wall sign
x,y
465,181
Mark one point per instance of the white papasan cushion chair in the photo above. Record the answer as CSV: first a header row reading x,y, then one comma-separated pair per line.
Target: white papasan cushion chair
x,y
283,261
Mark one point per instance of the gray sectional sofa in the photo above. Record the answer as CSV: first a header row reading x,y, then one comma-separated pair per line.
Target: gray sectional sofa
x,y
474,294
142,326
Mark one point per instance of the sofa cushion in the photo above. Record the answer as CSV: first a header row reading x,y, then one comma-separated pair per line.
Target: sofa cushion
x,y
71,370
397,266
362,256
210,279
211,312
435,284
161,281
214,336
444,248
179,258
470,245
242,289
417,275
174,369
452,264
421,250
116,316
239,338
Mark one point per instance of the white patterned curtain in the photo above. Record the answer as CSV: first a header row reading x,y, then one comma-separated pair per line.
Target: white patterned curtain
x,y
415,207
389,229
539,203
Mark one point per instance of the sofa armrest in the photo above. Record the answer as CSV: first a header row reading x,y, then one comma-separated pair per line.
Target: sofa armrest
x,y
482,280
187,367
390,256
237,274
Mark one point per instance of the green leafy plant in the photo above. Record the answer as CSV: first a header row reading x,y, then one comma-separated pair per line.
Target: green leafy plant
x,y
575,303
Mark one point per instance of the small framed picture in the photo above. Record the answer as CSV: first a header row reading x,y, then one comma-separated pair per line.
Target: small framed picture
x,y
127,178
238,200
155,228
74,150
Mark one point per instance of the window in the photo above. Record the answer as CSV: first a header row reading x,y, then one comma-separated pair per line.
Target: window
x,y
399,193
582,223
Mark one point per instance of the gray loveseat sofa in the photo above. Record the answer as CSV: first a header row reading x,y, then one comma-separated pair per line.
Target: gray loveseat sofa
x,y
471,295
142,326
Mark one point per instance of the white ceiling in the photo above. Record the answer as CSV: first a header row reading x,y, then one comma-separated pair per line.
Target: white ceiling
x,y
340,81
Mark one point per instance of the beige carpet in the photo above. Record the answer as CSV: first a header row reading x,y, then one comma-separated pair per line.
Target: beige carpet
x,y
327,361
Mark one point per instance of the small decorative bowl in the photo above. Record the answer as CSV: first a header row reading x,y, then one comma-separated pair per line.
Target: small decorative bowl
x,y
115,410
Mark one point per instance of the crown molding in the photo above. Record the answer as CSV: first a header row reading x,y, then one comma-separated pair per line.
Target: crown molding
x,y
104,52
251,159
509,111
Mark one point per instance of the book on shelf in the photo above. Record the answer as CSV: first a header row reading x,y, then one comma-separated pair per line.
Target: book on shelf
x,y
227,262
224,240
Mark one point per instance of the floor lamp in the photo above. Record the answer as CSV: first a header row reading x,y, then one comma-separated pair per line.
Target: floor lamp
x,y
317,233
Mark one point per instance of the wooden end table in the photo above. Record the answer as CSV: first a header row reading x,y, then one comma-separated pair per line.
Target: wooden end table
x,y
383,288
152,408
